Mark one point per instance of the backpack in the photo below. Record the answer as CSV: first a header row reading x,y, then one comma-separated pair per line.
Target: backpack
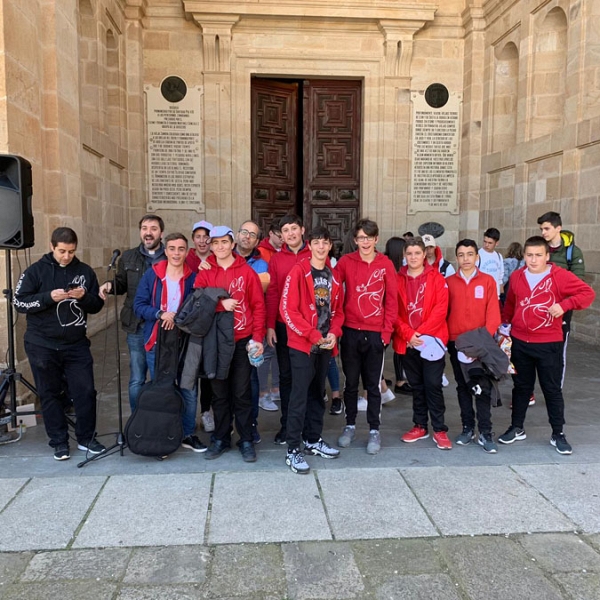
x,y
444,267
155,428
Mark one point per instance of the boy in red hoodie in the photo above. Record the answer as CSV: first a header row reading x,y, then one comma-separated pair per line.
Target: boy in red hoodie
x,y
370,309
538,296
294,249
422,310
311,305
231,396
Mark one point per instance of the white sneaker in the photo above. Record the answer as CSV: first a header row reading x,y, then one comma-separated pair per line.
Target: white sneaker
x,y
208,421
445,382
387,396
266,403
362,404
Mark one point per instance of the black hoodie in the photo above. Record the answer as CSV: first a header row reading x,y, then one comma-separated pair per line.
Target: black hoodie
x,y
51,324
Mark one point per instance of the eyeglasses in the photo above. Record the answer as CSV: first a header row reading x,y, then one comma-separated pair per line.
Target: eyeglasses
x,y
250,234
364,238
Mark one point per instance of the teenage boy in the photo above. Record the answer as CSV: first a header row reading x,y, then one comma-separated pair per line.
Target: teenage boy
x,y
435,258
130,269
538,297
201,240
472,303
311,306
294,249
232,396
57,293
490,260
370,309
271,244
161,293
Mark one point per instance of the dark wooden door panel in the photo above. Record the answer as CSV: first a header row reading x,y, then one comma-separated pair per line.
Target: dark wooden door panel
x,y
274,141
332,122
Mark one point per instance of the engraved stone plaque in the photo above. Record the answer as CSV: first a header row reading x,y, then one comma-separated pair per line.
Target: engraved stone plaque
x,y
435,152
174,145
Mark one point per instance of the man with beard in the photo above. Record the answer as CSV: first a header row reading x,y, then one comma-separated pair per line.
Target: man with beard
x,y
130,269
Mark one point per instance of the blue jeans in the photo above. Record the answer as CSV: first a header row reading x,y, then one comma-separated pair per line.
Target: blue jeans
x,y
138,365
190,399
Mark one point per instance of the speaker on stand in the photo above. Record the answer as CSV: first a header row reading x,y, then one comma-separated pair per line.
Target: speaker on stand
x,y
16,233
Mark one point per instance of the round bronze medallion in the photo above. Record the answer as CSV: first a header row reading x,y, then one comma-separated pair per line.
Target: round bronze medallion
x,y
173,89
436,95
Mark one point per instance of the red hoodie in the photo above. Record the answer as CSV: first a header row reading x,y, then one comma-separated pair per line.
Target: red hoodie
x,y
299,312
473,304
371,297
241,283
434,302
266,250
280,265
527,310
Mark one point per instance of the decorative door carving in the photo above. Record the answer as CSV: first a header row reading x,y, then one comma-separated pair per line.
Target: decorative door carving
x,y
274,143
332,122
314,172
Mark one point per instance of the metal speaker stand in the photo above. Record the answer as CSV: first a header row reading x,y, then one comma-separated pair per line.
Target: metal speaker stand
x,y
120,443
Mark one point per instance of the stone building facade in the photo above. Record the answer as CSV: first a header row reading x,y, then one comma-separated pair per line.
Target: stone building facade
x,y
524,76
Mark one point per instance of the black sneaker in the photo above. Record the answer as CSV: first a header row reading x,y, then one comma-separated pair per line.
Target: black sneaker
x,y
512,434
215,450
255,434
403,389
466,437
248,452
193,443
93,447
336,406
486,440
61,452
280,437
558,440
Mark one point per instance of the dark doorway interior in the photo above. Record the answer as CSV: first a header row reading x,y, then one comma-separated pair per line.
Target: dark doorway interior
x,y
306,142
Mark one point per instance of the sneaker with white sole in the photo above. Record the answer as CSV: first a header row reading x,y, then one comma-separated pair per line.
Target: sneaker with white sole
x,y
208,421
512,434
347,436
374,443
336,406
387,396
486,440
296,462
61,452
322,449
266,403
93,447
193,443
466,437
559,441
361,405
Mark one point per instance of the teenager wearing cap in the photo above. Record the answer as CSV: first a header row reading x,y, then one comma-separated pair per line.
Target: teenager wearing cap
x,y
201,250
422,309
231,396
435,258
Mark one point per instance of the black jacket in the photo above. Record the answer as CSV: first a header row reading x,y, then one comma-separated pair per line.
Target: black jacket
x,y
130,269
51,324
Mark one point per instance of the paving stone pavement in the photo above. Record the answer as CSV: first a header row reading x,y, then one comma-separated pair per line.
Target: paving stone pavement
x,y
411,522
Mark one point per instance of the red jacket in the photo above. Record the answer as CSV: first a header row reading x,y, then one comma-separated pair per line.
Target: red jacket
x,y
473,304
527,310
298,308
371,297
435,309
279,267
241,283
266,250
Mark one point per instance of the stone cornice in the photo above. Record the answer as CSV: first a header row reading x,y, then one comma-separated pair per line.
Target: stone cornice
x,y
324,9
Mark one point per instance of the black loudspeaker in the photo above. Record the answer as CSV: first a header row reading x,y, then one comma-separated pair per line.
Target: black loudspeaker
x,y
16,218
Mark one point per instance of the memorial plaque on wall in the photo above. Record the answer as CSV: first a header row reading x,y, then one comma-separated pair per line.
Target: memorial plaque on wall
x,y
174,145
435,150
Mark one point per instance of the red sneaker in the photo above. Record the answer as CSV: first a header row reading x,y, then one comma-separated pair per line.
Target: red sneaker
x,y
416,433
441,440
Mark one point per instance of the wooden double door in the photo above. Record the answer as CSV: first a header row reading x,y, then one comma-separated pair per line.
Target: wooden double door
x,y
306,152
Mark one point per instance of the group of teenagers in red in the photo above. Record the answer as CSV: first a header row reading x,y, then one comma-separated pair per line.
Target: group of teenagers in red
x,y
310,311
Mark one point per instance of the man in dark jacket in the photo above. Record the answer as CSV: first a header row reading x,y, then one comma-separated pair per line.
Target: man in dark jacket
x,y
57,293
133,264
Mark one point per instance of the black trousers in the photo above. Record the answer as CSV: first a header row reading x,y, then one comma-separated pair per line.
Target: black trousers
x,y
425,377
205,394
547,360
285,370
362,355
306,406
232,398
398,368
483,402
50,367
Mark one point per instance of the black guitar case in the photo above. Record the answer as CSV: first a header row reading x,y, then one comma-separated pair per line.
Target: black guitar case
x,y
154,428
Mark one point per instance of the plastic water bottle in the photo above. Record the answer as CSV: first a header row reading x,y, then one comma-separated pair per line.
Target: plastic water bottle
x,y
252,348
